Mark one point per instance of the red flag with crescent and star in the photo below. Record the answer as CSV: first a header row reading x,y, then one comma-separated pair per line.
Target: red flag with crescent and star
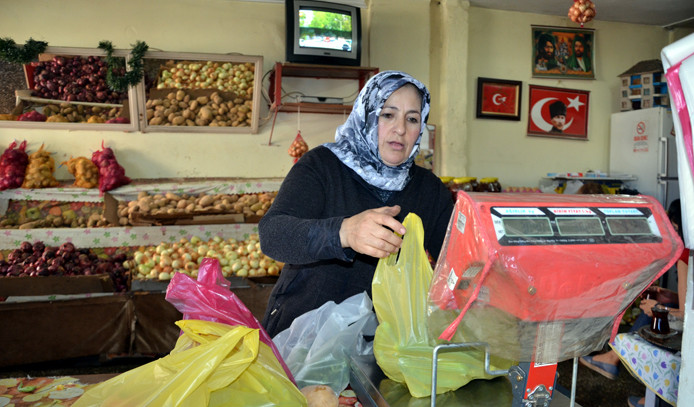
x,y
576,107
499,99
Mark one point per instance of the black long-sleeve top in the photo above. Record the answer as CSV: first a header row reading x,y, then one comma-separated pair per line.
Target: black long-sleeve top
x,y
302,227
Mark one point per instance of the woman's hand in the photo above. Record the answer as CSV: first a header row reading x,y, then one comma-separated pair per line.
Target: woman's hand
x,y
371,232
646,306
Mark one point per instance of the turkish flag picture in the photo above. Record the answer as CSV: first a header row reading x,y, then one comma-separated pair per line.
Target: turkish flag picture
x,y
558,112
498,99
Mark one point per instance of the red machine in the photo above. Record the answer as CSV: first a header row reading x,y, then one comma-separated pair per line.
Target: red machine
x,y
544,278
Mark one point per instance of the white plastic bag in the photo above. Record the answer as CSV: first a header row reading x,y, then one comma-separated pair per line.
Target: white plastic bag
x,y
318,344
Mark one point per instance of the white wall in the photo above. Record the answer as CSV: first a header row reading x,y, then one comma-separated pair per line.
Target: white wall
x,y
215,26
500,47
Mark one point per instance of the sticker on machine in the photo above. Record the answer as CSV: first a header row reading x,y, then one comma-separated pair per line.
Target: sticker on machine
x,y
572,211
452,280
460,223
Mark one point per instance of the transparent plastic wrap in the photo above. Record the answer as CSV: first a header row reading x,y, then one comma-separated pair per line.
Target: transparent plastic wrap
x,y
546,277
318,345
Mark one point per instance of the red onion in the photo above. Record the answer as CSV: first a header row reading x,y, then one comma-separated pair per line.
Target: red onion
x,y
13,164
51,79
111,174
32,116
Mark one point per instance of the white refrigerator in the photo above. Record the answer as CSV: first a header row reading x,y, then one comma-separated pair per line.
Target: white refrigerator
x,y
642,144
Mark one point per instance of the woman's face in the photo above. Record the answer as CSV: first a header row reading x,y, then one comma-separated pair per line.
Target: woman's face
x,y
399,125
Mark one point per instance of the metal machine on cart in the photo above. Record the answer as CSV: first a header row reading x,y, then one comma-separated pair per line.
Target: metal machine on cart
x,y
543,278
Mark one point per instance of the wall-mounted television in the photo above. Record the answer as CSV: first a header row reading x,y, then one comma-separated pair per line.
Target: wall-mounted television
x,y
320,32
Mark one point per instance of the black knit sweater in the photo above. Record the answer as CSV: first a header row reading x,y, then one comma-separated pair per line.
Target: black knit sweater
x,y
302,227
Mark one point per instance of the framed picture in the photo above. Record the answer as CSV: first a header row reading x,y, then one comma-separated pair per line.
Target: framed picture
x,y
560,52
558,112
498,99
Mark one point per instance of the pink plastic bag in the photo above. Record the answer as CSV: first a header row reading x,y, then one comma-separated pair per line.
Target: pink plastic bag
x,y
210,299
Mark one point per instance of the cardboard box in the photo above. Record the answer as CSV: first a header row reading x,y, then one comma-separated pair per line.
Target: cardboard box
x,y
123,324
48,285
54,330
155,331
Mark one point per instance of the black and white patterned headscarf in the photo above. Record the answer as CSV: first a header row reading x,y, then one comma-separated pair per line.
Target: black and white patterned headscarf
x,y
356,141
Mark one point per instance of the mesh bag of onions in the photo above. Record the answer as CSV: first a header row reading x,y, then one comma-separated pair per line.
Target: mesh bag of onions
x,y
39,172
84,170
13,165
111,174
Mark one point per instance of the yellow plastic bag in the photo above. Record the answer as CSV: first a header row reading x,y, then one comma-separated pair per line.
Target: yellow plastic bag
x,y
403,346
212,364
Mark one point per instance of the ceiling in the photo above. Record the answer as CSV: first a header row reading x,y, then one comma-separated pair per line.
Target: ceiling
x,y
665,13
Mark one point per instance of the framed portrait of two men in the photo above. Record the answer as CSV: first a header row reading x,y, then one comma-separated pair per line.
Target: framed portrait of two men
x,y
560,52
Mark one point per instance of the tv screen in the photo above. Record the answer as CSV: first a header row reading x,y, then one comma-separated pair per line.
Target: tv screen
x,y
323,33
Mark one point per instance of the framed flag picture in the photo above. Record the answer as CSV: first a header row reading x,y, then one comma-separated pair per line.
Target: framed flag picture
x,y
558,112
498,99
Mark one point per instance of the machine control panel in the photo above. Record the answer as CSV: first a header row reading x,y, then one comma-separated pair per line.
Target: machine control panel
x,y
556,225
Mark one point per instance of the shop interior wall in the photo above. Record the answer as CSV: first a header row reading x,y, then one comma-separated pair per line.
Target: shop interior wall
x,y
446,44
212,26
500,47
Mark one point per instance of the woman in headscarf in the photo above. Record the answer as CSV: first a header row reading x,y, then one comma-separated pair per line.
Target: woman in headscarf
x,y
336,211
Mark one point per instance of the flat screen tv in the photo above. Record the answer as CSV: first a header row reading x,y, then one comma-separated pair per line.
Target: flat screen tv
x,y
320,32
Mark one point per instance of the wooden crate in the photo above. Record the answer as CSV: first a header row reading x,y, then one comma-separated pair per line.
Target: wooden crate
x,y
180,57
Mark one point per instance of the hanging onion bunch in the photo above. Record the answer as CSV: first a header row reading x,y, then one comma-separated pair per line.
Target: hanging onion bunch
x,y
111,173
84,170
13,164
582,11
298,147
39,172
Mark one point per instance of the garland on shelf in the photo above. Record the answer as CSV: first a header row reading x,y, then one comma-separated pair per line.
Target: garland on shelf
x,y
130,78
10,52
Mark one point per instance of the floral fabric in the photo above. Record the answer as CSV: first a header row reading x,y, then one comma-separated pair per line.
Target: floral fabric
x,y
656,367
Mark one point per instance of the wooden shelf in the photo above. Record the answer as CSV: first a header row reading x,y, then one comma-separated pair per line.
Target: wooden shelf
x,y
315,108
621,178
326,71
362,74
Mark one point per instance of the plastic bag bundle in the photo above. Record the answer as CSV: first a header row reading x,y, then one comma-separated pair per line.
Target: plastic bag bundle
x,y
84,170
210,299
13,165
39,171
317,345
403,346
111,174
213,364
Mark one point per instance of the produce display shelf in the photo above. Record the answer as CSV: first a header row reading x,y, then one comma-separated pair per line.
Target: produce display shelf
x,y
235,282
26,96
123,236
129,192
